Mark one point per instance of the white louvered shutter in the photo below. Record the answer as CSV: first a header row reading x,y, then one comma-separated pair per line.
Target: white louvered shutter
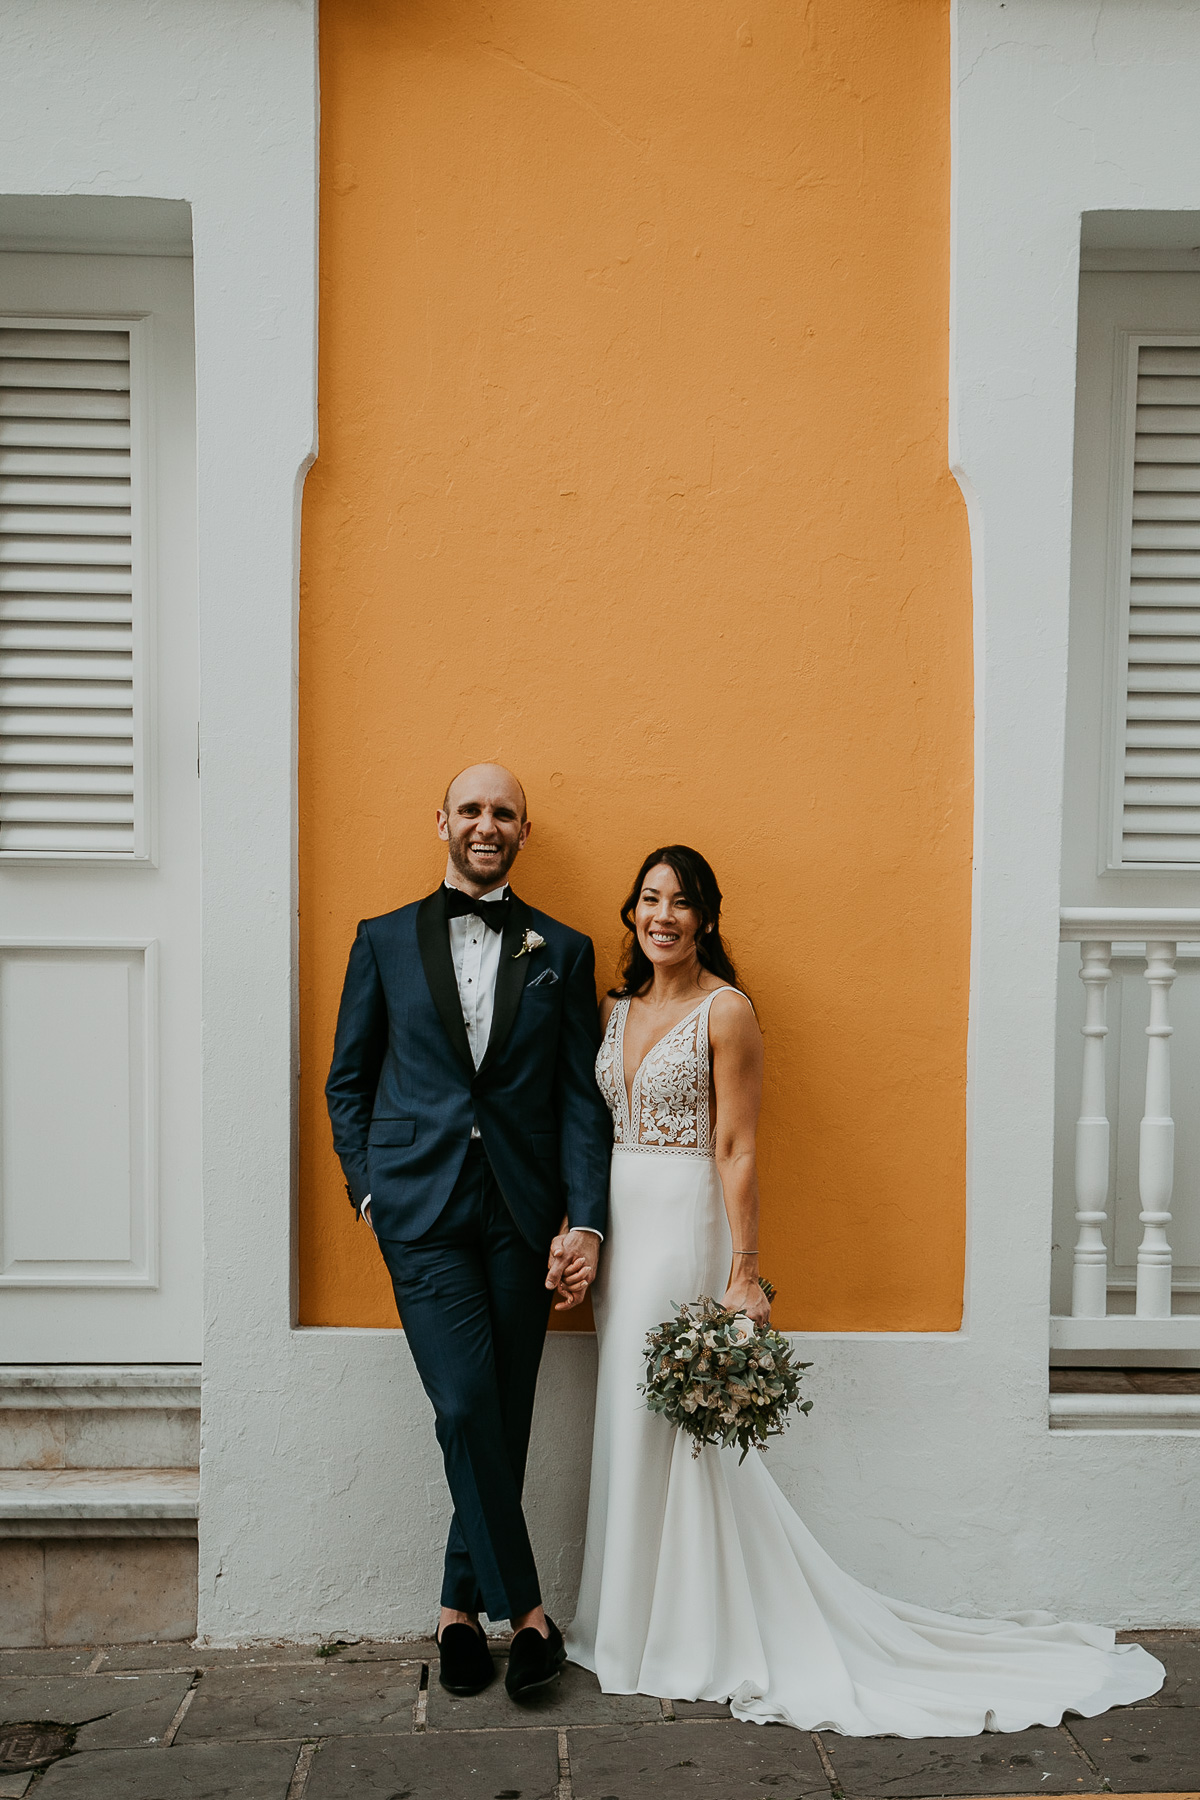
x,y
1160,810
68,710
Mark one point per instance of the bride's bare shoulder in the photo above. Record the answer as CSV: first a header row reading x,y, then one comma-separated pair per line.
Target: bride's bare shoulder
x,y
732,1015
606,1008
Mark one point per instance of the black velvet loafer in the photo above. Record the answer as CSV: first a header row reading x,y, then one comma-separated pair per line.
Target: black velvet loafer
x,y
465,1665
534,1661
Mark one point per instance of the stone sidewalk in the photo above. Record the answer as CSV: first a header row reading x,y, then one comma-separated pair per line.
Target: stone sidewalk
x,y
288,1722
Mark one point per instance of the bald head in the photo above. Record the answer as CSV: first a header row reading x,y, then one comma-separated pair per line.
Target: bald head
x,y
484,822
485,777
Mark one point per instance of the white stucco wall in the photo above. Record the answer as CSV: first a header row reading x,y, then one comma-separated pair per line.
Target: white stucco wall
x,y
927,1466
216,105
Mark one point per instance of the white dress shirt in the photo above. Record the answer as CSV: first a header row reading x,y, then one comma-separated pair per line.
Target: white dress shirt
x,y
475,953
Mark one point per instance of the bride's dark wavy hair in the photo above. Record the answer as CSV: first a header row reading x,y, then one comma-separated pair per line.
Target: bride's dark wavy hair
x,y
701,892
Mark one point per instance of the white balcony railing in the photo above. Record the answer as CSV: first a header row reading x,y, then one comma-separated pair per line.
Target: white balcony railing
x,y
1158,1321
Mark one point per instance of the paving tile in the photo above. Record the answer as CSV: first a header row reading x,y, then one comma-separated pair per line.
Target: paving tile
x,y
253,1656
999,1762
13,1787
701,1709
45,1662
148,1656
476,1766
1145,1749
184,1656
256,1656
260,1656
194,1772
575,1699
418,1650
124,1711
328,1699
1179,1652
717,1761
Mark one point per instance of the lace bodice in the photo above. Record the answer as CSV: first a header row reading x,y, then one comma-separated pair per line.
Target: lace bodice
x,y
667,1108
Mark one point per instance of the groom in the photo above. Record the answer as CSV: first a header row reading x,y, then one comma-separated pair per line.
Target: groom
x,y
475,1143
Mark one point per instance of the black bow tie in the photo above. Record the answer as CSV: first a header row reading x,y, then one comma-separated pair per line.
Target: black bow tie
x,y
494,913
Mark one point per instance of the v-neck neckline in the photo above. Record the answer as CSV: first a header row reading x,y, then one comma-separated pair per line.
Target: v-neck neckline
x,y
627,1087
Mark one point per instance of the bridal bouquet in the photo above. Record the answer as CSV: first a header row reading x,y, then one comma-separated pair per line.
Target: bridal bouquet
x,y
720,1378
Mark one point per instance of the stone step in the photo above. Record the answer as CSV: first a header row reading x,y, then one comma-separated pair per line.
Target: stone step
x,y
92,1554
1125,1412
98,1502
99,1416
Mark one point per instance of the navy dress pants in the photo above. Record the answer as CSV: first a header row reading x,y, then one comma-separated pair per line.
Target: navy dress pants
x,y
473,1302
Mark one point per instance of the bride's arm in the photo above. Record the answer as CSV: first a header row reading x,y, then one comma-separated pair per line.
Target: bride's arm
x,y
737,1068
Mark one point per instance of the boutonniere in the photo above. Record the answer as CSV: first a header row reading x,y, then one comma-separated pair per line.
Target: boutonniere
x,y
532,940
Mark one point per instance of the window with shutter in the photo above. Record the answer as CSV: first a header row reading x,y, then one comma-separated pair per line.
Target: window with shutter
x,y
71,703
1158,811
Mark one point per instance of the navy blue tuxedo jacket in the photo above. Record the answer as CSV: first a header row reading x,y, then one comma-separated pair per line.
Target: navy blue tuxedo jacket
x,y
403,1091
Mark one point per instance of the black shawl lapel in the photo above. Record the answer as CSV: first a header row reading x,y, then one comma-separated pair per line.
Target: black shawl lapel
x,y
434,941
510,981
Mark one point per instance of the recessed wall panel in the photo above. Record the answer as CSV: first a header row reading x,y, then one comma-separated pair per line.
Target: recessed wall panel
x,y
76,1114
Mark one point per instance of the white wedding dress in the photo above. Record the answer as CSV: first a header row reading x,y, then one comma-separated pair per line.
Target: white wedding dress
x,y
699,1580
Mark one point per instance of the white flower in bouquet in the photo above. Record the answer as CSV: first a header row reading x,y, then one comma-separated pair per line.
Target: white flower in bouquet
x,y
724,1380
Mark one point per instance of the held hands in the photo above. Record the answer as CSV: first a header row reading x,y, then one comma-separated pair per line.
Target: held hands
x,y
574,1257
744,1294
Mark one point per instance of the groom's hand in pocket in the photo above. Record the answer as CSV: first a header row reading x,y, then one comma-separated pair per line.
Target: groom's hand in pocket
x,y
574,1256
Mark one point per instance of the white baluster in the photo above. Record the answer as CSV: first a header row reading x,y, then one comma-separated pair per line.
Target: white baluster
x,y
1089,1284
1156,1151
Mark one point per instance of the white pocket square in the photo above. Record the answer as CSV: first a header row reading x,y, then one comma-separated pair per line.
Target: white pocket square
x,y
547,978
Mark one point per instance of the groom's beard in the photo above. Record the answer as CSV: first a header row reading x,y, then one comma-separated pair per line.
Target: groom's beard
x,y
498,866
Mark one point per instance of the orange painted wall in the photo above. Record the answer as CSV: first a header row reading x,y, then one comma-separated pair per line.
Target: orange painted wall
x,y
633,364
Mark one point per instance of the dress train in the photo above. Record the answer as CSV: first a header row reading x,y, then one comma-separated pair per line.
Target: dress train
x,y
700,1581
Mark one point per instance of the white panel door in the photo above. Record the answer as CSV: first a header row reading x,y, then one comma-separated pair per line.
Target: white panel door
x,y
100,1215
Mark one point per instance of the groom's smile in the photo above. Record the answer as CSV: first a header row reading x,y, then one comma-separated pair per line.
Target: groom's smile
x,y
484,824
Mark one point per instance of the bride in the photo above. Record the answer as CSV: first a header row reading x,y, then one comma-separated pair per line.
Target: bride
x,y
699,1580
